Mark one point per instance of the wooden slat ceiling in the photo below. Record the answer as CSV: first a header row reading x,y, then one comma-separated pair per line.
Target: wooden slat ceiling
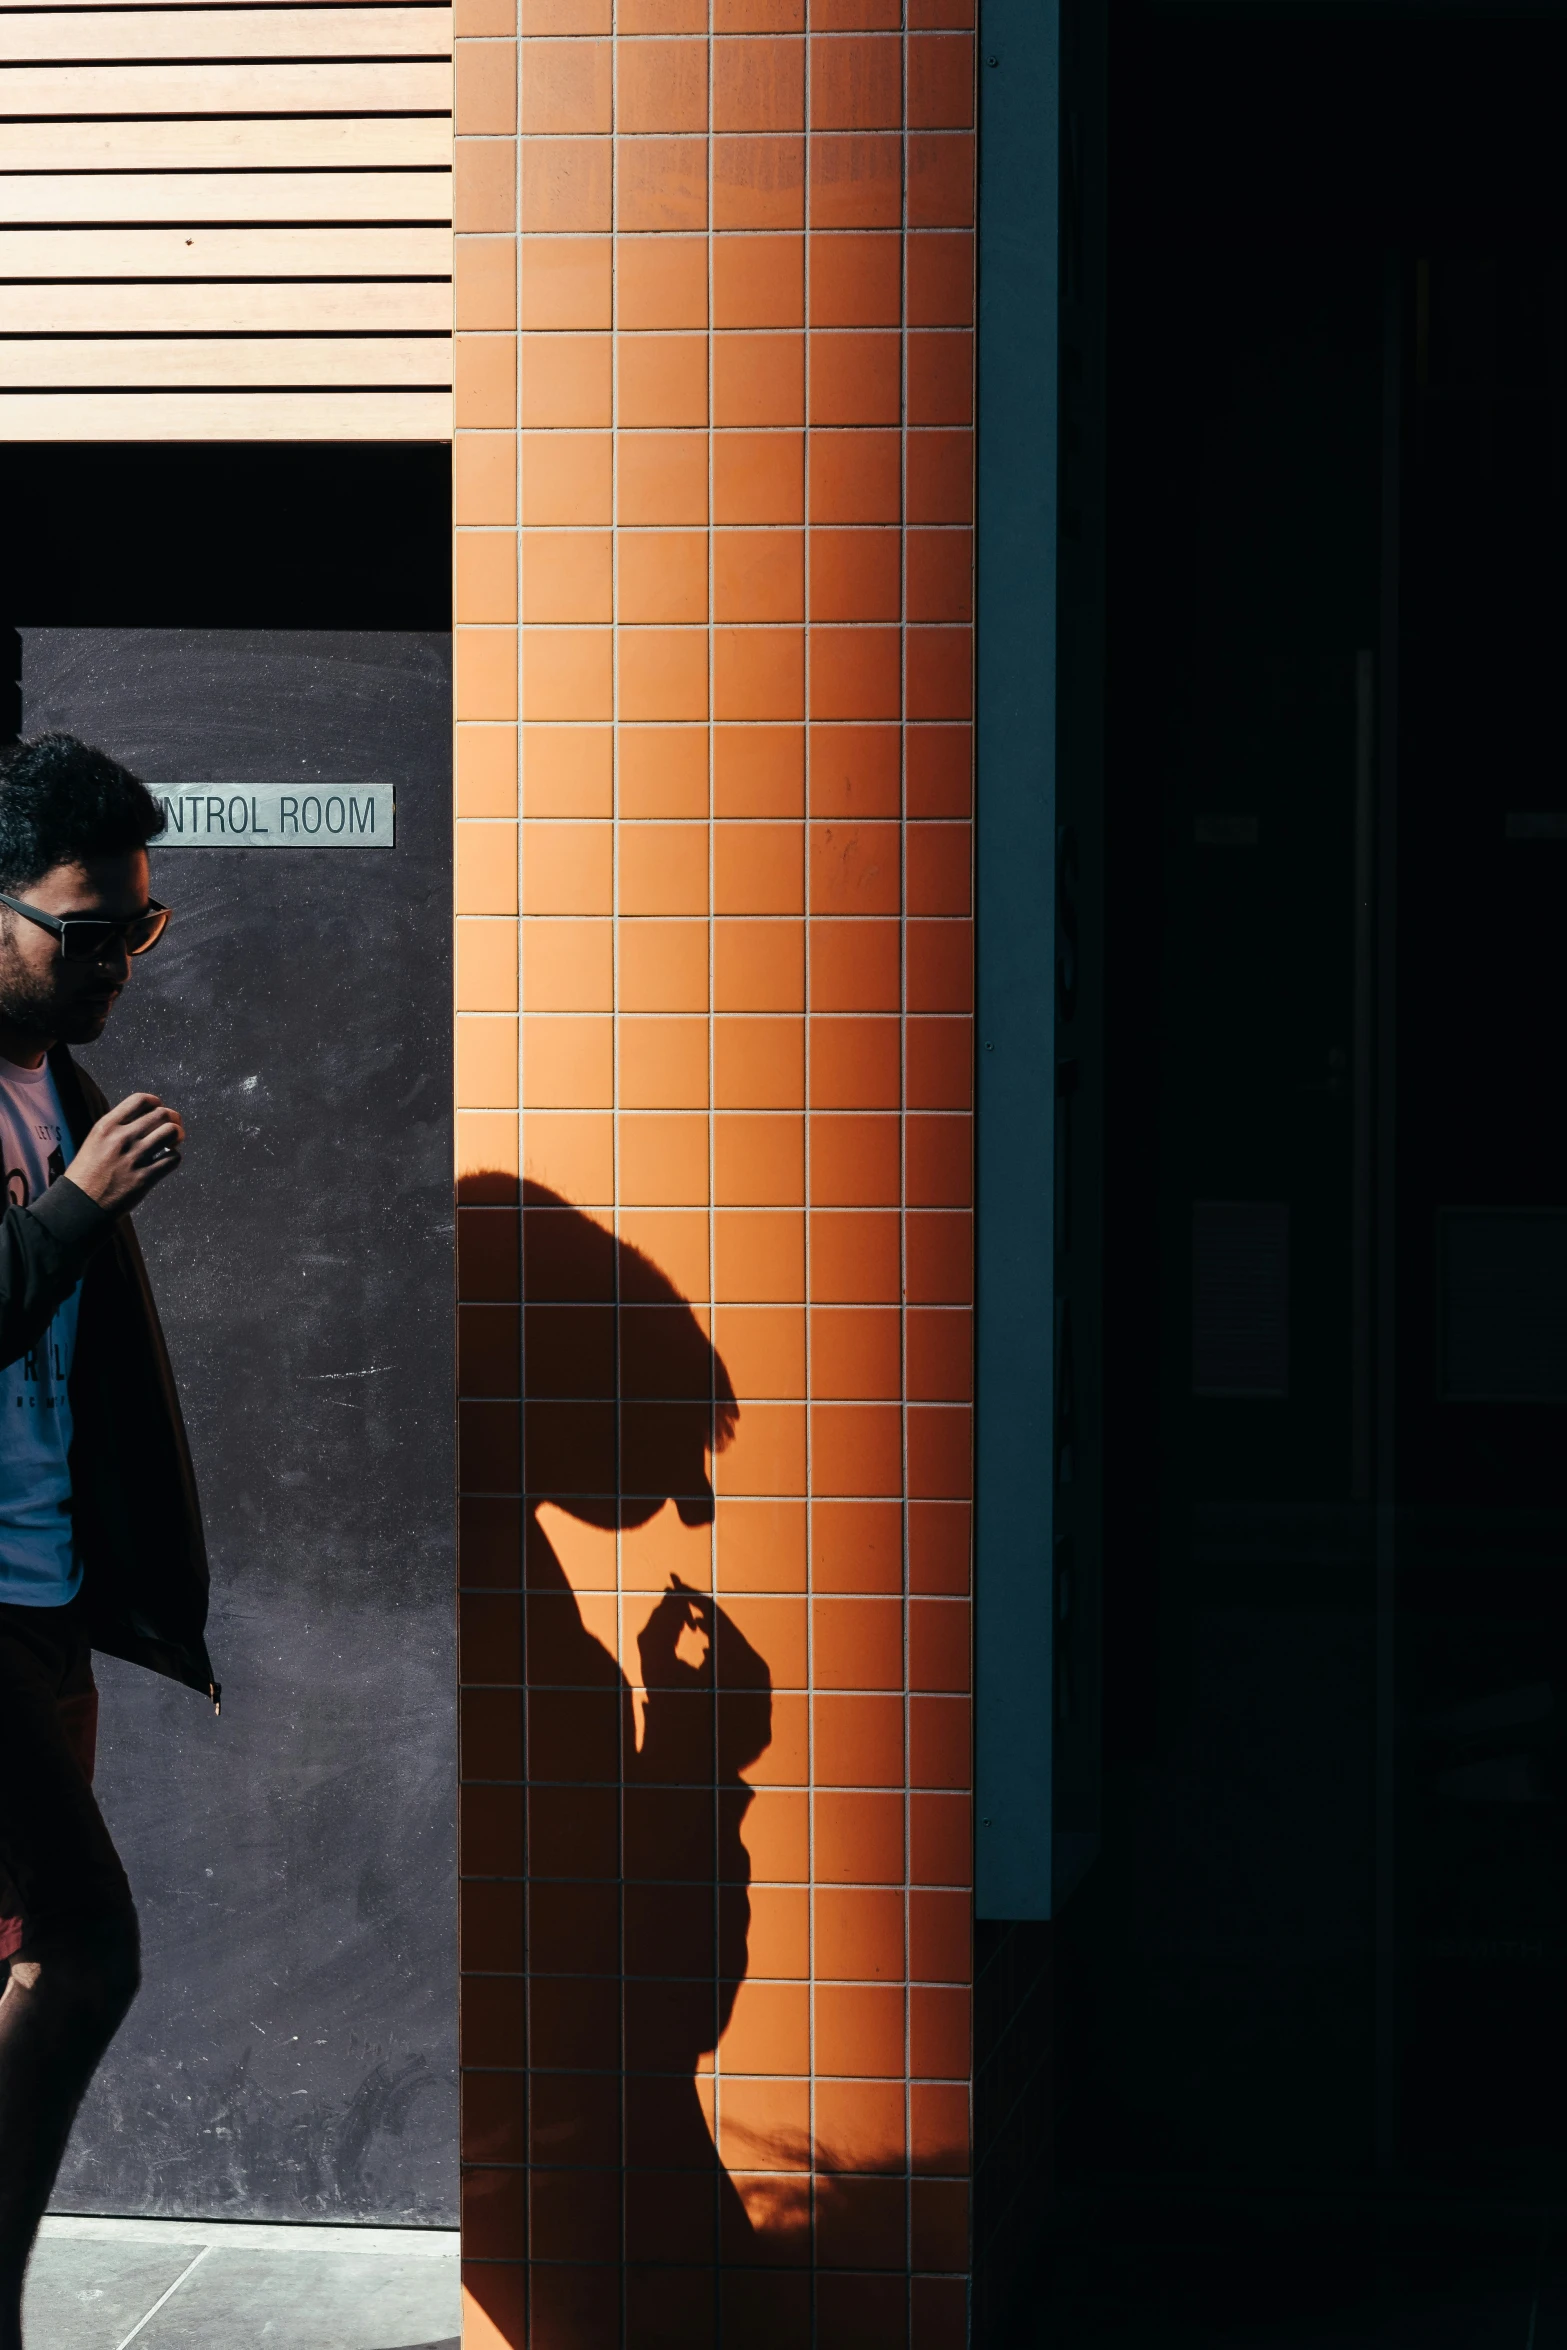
x,y
225,223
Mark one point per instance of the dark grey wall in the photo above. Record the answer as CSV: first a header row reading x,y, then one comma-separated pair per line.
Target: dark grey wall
x,y
293,2051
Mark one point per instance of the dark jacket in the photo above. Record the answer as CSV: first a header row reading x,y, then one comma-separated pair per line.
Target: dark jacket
x,y
137,1518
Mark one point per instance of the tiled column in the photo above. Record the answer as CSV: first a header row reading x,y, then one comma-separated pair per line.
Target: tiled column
x,y
713,574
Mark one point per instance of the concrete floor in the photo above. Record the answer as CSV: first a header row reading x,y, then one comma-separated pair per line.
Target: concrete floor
x,y
104,2284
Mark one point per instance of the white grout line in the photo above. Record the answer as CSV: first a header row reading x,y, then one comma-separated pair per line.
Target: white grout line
x,y
253,2236
162,2297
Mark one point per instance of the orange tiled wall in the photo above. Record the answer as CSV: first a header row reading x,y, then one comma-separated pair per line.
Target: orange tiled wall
x,y
713,564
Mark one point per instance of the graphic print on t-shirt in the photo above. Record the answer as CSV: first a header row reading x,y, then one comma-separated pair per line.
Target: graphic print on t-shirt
x,y
17,1189
38,1565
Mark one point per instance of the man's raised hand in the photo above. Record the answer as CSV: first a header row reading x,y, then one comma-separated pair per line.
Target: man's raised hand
x,y
129,1151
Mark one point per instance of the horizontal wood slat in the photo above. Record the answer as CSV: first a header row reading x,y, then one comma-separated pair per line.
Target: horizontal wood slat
x,y
301,306
309,359
225,416
226,222
50,35
380,143
352,86
195,197
224,252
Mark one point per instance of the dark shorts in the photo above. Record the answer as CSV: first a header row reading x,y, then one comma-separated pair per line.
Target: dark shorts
x,y
59,1872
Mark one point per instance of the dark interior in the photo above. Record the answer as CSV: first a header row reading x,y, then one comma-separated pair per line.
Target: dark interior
x,y
1311,2023
227,534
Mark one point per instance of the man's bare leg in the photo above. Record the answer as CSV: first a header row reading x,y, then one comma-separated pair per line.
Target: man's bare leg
x,y
58,2014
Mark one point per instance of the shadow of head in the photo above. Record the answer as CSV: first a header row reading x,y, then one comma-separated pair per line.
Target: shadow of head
x,y
627,1399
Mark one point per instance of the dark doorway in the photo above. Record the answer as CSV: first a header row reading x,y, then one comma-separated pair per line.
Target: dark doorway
x,y
1316,1991
204,617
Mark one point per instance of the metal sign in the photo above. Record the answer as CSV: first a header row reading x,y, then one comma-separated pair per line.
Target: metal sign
x,y
276,815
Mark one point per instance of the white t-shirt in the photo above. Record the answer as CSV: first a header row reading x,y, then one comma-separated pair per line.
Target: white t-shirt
x,y
38,1563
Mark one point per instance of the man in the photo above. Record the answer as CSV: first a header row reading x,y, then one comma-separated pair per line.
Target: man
x,y
100,1532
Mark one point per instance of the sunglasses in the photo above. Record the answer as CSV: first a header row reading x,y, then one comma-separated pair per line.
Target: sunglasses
x,y
84,938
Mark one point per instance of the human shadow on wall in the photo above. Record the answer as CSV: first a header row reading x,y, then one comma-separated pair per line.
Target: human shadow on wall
x,y
645,1708
639,1908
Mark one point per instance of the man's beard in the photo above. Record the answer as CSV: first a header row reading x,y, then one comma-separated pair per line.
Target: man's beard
x,y
80,1023
29,1003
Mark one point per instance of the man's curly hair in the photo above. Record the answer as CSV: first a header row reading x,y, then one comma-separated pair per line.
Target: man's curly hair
x,y
62,802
